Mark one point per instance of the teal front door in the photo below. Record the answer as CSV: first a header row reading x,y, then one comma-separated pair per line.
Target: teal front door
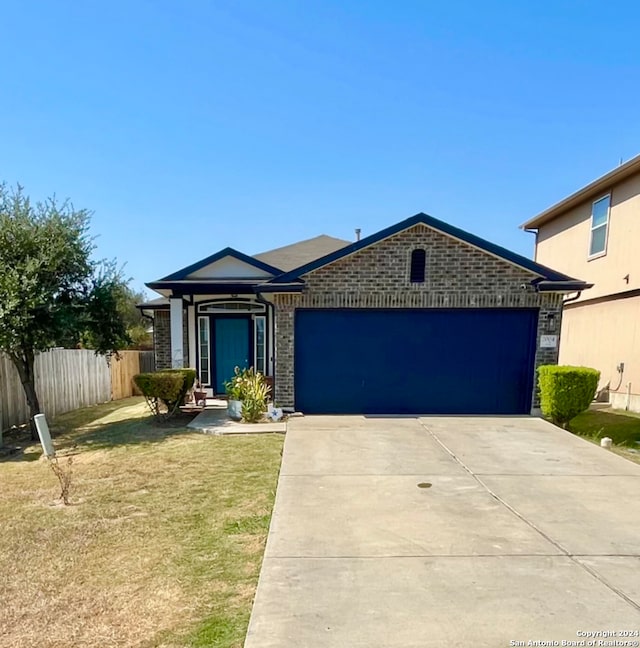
x,y
231,347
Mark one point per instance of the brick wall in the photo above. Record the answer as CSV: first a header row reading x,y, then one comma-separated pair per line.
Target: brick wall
x,y
162,339
458,276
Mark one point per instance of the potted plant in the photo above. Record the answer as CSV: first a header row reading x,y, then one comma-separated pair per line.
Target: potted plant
x,y
235,392
199,394
247,394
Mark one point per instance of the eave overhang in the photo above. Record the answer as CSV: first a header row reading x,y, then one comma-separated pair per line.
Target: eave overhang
x,y
293,287
179,288
571,286
591,191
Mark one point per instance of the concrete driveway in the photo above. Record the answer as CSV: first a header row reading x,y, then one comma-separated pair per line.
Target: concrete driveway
x,y
520,532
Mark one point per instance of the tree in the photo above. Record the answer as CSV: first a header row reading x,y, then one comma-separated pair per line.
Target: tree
x,y
51,292
137,325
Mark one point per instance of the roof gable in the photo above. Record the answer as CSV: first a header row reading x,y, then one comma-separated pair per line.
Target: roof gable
x,y
225,264
471,239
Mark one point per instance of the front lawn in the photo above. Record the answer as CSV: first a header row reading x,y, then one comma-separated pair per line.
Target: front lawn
x,y
162,545
623,428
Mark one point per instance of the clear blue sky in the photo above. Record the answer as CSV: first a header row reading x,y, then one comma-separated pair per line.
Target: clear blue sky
x,y
189,126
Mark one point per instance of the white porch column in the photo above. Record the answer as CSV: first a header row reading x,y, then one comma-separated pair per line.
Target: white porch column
x,y
191,333
177,334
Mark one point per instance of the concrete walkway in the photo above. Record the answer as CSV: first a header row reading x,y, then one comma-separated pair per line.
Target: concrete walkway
x,y
215,420
447,531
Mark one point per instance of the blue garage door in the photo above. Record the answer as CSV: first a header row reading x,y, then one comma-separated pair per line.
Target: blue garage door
x,y
465,361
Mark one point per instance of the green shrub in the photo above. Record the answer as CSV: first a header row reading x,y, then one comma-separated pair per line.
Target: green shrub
x,y
235,386
566,391
167,387
188,374
254,403
163,385
251,388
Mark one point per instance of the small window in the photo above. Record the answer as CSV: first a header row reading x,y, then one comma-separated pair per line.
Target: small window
x,y
599,226
203,345
229,306
418,266
260,342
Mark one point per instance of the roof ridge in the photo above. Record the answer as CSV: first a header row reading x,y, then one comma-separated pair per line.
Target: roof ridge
x,y
313,238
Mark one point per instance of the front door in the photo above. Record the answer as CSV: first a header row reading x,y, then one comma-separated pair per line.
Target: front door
x,y
231,348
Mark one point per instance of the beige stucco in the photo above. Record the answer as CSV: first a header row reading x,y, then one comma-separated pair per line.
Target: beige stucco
x,y
563,243
603,335
602,328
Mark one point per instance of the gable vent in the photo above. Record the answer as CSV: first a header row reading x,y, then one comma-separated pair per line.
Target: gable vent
x,y
418,266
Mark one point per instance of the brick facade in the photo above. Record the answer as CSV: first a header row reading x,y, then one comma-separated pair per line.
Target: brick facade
x,y
162,339
458,276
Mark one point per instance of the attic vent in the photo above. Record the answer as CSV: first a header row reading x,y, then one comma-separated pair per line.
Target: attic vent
x,y
418,266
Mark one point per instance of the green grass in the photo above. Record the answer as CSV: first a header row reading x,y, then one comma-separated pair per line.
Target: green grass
x,y
623,428
162,546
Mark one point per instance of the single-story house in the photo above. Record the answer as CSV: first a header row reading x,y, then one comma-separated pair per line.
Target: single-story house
x,y
421,317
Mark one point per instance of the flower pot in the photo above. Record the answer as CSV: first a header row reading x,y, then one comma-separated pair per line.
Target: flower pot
x,y
234,409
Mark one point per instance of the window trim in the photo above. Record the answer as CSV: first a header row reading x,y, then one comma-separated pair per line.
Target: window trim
x,y
201,319
603,252
264,342
230,306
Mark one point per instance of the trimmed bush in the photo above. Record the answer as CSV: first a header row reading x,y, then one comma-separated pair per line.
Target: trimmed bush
x,y
168,387
163,385
188,374
566,391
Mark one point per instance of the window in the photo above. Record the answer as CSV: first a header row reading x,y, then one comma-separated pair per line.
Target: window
x,y
230,306
260,341
203,346
418,266
599,226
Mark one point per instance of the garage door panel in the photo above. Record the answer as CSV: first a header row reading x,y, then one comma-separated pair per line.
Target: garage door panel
x,y
467,361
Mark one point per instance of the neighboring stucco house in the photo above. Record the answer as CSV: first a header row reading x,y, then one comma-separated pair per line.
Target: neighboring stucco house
x,y
595,234
420,317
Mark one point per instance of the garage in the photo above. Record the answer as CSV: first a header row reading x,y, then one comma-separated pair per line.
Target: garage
x,y
414,361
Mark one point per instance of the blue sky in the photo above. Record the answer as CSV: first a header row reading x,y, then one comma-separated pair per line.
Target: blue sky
x,y
189,126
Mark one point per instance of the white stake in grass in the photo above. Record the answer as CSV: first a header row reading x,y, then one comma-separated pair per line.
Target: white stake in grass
x,y
45,435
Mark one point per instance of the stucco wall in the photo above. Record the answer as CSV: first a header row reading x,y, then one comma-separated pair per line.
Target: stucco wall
x,y
458,276
603,335
563,243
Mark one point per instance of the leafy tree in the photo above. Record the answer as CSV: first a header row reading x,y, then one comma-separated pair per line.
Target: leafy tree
x,y
137,325
51,292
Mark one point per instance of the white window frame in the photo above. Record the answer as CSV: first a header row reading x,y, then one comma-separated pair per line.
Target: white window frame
x,y
602,252
230,306
255,343
208,328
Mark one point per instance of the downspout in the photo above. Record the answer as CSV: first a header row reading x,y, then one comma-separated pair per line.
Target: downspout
x,y
535,244
572,299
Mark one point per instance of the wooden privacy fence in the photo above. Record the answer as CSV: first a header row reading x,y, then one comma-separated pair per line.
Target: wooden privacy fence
x,y
67,379
122,370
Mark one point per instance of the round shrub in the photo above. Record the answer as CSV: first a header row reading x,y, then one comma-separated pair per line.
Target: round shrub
x,y
168,387
566,391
